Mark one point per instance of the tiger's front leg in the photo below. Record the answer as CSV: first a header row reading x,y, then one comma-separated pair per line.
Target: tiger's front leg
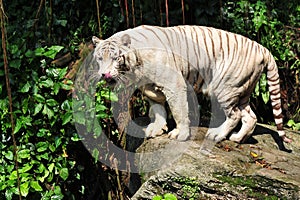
x,y
177,100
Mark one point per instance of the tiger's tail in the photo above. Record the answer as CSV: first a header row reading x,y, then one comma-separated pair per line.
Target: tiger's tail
x,y
274,89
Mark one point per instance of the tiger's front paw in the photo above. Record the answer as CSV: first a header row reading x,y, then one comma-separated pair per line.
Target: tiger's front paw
x,y
214,134
180,135
154,129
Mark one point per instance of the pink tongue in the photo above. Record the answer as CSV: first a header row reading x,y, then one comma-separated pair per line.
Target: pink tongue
x,y
107,76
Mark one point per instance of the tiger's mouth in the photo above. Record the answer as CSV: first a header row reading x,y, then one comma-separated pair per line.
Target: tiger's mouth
x,y
110,80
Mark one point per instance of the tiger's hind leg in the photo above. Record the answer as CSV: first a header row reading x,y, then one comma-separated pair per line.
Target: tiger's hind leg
x,y
248,124
233,116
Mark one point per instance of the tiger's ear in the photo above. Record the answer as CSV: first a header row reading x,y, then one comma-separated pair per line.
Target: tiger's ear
x,y
96,40
126,41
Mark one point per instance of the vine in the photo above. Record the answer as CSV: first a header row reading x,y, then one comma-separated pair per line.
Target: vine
x,y
7,81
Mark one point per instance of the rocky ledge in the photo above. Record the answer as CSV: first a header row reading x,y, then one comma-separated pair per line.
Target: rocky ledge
x,y
261,168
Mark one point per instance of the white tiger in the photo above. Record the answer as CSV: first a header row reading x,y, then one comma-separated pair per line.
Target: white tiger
x,y
229,64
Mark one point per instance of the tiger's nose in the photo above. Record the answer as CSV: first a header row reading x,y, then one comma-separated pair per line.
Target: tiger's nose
x,y
107,75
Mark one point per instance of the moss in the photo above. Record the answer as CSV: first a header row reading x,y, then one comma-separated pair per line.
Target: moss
x,y
185,187
256,186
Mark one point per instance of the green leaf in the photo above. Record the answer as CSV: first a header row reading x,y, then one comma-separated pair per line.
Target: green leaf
x,y
26,168
36,186
64,173
47,111
13,175
24,153
66,86
66,105
24,187
291,123
46,83
51,167
29,54
25,105
42,132
25,87
62,73
37,108
15,64
56,88
61,22
169,196
101,107
95,154
265,97
51,102
67,118
39,51
57,141
39,98
52,148
18,126
52,51
9,155
42,146
46,174
157,197
8,194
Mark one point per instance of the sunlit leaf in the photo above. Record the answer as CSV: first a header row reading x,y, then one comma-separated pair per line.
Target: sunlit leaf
x,y
24,187
157,197
38,107
36,186
25,87
9,155
42,146
18,125
265,97
24,153
46,83
39,98
64,173
26,168
51,102
52,51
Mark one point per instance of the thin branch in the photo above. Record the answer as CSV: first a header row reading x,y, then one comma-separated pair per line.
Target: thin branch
x,y
98,18
127,15
3,31
160,12
133,14
182,9
37,15
167,13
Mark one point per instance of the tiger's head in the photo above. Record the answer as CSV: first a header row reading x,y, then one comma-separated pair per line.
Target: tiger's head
x,y
114,56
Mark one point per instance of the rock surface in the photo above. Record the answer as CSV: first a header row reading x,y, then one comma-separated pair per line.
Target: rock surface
x,y
257,169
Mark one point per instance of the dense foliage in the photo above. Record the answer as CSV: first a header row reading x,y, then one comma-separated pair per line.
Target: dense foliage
x,y
52,162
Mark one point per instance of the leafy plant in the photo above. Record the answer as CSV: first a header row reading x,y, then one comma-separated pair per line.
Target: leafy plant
x,y
167,196
41,129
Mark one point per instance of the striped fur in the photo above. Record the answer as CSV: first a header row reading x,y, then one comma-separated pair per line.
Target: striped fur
x,y
228,64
